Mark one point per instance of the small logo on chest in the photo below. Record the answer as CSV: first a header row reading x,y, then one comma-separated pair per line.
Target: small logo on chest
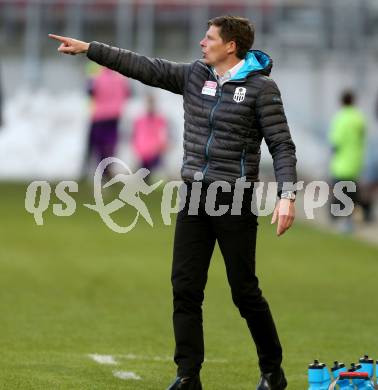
x,y
210,88
239,94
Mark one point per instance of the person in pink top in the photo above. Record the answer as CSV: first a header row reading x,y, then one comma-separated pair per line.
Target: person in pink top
x,y
150,136
109,91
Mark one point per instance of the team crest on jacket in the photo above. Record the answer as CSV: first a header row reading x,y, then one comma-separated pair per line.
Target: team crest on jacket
x,y
239,94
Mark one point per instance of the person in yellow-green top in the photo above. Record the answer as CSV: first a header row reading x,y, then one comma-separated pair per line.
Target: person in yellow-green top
x,y
347,138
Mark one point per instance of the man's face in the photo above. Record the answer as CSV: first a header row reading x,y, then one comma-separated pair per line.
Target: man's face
x,y
214,50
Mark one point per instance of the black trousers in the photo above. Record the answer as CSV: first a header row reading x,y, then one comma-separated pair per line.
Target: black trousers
x,y
194,241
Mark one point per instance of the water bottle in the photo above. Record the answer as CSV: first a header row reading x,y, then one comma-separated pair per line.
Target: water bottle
x,y
367,366
315,375
361,379
359,383
326,379
364,383
337,369
369,385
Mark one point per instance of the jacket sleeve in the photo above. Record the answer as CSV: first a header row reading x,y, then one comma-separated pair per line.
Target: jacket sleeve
x,y
275,130
155,72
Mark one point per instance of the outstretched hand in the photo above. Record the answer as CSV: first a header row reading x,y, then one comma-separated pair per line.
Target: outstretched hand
x,y
70,45
284,212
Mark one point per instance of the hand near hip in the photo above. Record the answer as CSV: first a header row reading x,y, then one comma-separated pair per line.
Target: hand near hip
x,y
70,45
284,212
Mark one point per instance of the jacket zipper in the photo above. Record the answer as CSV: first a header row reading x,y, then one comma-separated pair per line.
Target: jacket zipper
x,y
242,163
204,170
211,131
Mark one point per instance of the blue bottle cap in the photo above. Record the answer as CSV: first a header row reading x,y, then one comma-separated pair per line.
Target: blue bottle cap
x,y
316,365
354,367
337,366
366,359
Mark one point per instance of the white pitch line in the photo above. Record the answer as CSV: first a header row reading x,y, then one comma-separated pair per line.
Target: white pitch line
x,y
103,359
131,356
126,375
111,360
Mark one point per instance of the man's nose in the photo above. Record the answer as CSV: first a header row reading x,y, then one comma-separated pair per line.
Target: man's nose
x,y
202,43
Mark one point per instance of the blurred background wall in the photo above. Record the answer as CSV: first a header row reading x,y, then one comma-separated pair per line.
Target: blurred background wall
x,y
319,48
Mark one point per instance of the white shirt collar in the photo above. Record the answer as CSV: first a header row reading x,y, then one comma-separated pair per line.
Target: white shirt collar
x,y
229,73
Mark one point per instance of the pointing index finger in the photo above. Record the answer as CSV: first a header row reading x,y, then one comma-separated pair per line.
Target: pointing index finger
x,y
58,37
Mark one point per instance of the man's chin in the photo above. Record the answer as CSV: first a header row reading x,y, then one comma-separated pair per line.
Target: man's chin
x,y
207,61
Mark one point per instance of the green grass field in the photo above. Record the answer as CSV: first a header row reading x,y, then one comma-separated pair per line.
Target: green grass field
x,y
73,287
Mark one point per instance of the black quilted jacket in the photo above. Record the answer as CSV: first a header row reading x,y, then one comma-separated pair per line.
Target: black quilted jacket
x,y
223,133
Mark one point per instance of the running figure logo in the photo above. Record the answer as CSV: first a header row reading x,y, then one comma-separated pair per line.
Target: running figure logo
x,y
134,184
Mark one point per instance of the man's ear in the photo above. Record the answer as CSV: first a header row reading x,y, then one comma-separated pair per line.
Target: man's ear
x,y
231,49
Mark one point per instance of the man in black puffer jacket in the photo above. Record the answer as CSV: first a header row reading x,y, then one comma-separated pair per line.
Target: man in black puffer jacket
x,y
230,105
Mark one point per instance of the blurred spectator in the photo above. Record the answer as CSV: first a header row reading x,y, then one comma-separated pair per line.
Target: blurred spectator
x,y
369,187
150,136
369,184
109,91
347,138
1,102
